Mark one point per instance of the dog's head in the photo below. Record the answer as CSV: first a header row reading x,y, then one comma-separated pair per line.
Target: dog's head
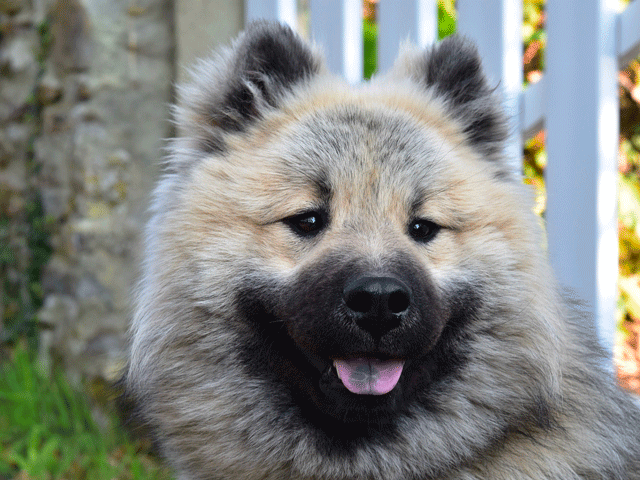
x,y
344,256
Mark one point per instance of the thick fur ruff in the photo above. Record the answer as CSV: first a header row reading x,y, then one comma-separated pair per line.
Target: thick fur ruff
x,y
304,227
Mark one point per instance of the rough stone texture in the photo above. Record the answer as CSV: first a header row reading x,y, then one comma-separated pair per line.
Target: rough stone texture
x,y
85,87
104,93
18,74
201,25
84,92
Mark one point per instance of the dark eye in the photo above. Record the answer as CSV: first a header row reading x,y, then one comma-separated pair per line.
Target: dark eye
x,y
306,224
423,230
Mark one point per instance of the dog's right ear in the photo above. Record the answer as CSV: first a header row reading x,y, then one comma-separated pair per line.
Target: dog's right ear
x,y
235,88
452,71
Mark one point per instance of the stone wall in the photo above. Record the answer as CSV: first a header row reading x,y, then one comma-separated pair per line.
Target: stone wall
x,y
95,80
85,89
20,44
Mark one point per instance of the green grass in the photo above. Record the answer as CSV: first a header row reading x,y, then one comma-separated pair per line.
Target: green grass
x,y
48,431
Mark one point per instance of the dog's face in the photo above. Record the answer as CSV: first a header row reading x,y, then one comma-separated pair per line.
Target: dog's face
x,y
361,235
330,264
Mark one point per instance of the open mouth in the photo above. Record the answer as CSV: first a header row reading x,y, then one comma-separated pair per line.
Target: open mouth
x,y
369,376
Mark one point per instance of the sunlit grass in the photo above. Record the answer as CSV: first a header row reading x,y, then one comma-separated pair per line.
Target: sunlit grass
x,y
48,430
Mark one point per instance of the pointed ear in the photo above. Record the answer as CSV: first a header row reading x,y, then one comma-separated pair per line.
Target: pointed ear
x,y
240,84
452,70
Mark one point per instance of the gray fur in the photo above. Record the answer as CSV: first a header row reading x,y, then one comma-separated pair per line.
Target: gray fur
x,y
454,71
235,310
234,89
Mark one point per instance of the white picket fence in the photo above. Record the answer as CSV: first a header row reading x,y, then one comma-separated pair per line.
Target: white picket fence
x,y
576,101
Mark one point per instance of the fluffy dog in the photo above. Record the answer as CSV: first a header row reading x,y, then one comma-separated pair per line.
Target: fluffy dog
x,y
347,283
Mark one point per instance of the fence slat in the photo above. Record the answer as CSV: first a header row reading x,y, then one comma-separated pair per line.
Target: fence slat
x,y
400,20
280,10
532,109
629,33
496,27
337,26
582,143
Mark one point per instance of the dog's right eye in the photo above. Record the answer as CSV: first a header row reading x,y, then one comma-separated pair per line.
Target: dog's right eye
x,y
306,224
422,230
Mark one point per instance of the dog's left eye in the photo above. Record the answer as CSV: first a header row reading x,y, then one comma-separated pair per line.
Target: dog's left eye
x,y
306,224
422,230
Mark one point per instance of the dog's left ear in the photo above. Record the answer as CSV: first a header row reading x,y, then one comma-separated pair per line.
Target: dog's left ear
x,y
452,70
239,85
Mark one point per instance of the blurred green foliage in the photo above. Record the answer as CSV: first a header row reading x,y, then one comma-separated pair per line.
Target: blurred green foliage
x,y
370,30
629,203
446,18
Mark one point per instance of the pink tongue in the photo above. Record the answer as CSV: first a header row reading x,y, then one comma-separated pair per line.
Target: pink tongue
x,y
368,376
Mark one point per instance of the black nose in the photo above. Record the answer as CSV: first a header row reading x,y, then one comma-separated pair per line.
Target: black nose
x,y
378,303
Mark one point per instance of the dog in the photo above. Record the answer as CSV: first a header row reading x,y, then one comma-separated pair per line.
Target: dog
x,y
348,282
